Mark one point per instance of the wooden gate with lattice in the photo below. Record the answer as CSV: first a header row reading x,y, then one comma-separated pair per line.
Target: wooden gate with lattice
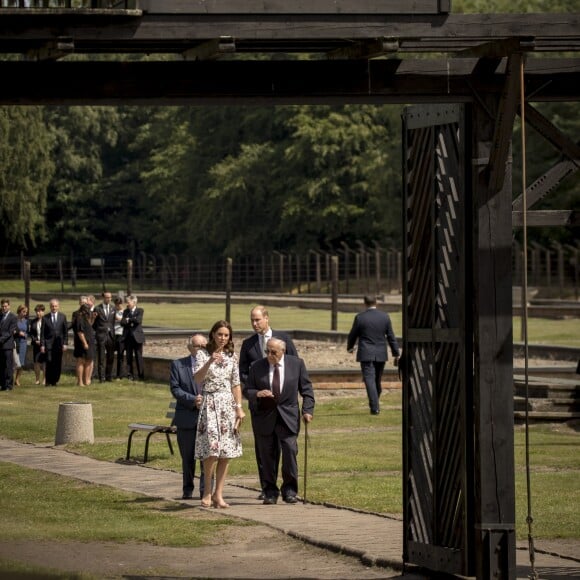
x,y
436,341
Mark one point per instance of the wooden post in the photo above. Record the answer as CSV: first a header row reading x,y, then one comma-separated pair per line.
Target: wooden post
x,y
229,268
334,299
129,277
491,241
27,284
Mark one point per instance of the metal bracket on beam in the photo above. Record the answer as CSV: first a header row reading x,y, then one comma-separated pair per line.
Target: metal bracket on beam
x,y
212,49
499,48
364,50
548,217
53,50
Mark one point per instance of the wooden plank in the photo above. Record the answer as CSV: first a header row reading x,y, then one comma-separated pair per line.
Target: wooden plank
x,y
502,136
254,7
537,218
175,32
261,82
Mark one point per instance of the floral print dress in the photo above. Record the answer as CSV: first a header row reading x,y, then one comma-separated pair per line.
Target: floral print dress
x,y
217,415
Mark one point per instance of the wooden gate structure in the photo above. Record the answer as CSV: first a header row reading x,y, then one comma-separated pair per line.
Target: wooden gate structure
x,y
458,451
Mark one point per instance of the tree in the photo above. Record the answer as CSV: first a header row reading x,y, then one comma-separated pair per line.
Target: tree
x,y
27,167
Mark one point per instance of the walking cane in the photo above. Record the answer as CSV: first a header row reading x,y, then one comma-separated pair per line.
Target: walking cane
x,y
305,460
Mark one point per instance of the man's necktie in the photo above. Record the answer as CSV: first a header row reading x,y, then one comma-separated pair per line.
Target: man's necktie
x,y
54,318
263,343
276,382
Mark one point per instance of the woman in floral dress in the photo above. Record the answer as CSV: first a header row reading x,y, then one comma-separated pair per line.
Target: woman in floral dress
x,y
220,413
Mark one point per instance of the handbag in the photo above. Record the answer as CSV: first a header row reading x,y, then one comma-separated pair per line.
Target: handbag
x,y
17,364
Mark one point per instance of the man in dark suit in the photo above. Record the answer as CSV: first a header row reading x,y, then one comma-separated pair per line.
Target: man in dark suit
x,y
8,330
254,348
188,396
54,342
105,337
373,330
273,386
133,336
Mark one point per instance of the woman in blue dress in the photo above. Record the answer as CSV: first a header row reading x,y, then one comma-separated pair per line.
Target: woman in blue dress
x,y
21,340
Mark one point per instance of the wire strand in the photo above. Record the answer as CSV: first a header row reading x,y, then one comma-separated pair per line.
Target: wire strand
x,y
529,519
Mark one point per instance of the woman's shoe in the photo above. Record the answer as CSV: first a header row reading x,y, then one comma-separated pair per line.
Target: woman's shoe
x,y
219,503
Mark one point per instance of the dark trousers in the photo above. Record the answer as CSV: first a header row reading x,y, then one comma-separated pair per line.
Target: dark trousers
x,y
105,356
134,350
120,350
53,365
6,368
372,372
282,442
257,452
186,444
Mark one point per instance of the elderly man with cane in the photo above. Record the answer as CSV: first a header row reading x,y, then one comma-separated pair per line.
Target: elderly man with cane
x,y
273,386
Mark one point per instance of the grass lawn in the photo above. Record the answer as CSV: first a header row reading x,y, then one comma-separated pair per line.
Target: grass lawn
x,y
354,460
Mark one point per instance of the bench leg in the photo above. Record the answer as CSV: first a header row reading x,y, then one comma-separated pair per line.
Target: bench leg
x,y
128,456
169,443
146,454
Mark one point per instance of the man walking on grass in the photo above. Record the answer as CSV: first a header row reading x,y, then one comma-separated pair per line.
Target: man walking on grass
x,y
373,330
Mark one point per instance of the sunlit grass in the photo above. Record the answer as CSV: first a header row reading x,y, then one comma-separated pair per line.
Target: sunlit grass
x,y
353,458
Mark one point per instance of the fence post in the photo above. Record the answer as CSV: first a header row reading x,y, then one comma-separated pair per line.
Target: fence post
x,y
129,277
229,267
560,251
27,284
574,260
378,267
334,299
346,250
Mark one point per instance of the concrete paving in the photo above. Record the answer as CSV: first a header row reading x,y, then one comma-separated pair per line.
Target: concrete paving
x,y
324,526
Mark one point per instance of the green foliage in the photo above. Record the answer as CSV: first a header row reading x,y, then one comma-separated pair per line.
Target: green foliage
x,y
26,169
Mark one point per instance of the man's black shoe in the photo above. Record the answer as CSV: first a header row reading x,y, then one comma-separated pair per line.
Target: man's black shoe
x,y
290,499
377,412
262,496
270,500
185,496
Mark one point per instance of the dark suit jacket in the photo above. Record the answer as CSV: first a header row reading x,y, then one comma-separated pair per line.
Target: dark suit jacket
x,y
373,329
250,352
8,329
54,335
296,381
131,324
104,324
184,389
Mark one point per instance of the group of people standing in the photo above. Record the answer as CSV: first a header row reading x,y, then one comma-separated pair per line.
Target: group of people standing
x,y
99,332
209,385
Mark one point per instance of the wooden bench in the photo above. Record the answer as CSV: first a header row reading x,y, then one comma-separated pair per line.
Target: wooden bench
x,y
167,430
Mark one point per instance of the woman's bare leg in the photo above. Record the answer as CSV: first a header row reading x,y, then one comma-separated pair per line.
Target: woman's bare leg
x,y
220,480
208,469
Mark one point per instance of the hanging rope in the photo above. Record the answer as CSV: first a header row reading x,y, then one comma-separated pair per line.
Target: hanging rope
x,y
529,519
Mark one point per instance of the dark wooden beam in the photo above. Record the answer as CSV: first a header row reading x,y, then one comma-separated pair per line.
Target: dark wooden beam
x,y
556,218
504,123
266,7
292,29
552,134
274,82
